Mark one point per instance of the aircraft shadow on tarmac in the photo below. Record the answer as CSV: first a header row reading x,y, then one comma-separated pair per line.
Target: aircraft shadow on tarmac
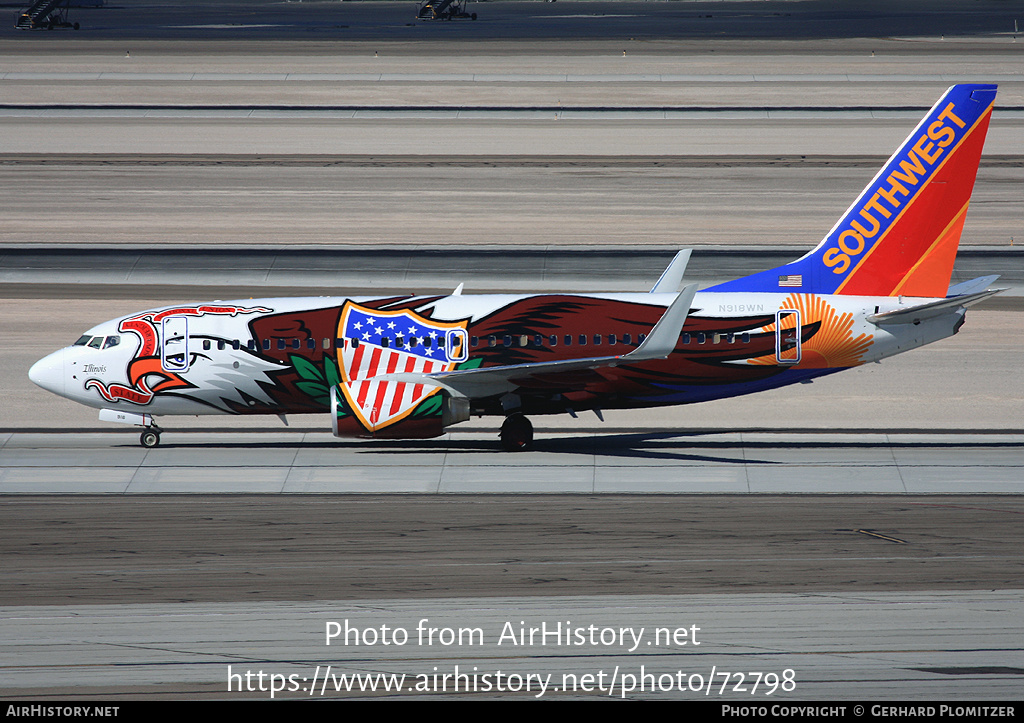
x,y
673,446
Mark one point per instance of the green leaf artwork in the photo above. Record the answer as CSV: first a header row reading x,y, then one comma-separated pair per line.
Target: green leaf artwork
x,y
316,383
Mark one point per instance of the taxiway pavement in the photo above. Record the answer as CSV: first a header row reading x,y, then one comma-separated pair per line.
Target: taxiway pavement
x,y
588,460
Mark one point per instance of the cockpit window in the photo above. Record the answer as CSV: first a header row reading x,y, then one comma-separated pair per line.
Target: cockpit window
x,y
83,340
96,342
111,341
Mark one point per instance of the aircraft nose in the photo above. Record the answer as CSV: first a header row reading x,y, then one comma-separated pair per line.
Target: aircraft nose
x,y
48,373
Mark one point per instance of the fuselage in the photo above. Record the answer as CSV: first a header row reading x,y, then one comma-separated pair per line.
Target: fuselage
x,y
283,356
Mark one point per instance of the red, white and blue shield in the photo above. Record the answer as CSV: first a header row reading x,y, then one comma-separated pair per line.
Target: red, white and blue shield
x,y
386,342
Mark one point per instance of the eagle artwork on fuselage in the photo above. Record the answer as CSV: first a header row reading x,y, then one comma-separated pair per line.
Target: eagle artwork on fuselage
x,y
412,366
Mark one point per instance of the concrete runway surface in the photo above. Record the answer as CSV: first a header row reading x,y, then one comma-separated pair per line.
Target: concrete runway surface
x,y
875,598
755,648
487,204
589,21
539,125
588,460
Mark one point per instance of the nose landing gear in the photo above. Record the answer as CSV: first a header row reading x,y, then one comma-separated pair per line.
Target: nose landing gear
x,y
516,433
150,437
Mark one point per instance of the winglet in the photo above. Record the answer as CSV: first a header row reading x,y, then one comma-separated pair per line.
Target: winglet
x,y
673,274
665,335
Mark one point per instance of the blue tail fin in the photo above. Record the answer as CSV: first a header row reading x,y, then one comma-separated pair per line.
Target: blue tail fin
x,y
901,235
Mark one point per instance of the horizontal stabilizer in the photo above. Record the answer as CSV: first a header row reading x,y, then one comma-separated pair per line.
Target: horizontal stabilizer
x,y
972,287
488,381
921,312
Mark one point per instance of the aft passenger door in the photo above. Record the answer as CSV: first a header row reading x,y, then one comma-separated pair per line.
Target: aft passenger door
x,y
458,349
787,336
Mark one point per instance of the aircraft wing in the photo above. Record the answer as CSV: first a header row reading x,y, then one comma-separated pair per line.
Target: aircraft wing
x,y
488,381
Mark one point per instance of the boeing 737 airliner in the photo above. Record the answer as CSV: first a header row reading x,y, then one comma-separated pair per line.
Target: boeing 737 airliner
x,y
412,366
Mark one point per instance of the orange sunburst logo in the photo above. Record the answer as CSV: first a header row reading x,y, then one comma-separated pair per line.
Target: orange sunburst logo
x,y
831,346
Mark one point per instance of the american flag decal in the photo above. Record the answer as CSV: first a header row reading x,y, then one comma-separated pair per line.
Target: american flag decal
x,y
791,280
391,342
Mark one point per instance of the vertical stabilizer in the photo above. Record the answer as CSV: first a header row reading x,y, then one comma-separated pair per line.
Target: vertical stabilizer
x,y
900,236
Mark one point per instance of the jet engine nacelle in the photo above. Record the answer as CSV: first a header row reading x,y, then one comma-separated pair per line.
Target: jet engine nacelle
x,y
428,419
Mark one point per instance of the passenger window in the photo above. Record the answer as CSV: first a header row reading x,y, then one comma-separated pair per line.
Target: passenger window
x,y
627,339
385,342
236,345
524,340
716,338
746,337
266,345
597,339
686,338
206,345
311,343
508,340
412,342
326,344
730,338
640,338
399,342
492,341
553,340
583,339
474,340
702,337
568,339
611,339
251,345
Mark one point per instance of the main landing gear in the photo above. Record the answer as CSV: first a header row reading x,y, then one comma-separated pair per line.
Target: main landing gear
x,y
516,433
150,437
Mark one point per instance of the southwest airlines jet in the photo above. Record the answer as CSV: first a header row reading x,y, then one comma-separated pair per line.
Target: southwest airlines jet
x,y
412,366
